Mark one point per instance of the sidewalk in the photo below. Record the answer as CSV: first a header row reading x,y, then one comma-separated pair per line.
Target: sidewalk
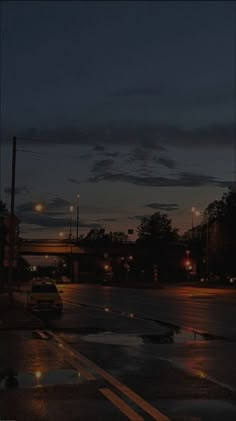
x,y
15,316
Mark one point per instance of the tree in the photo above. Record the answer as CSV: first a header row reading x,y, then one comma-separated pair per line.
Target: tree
x,y
157,229
118,237
95,235
219,233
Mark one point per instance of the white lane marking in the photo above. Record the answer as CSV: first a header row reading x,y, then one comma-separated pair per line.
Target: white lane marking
x,y
199,374
121,405
147,407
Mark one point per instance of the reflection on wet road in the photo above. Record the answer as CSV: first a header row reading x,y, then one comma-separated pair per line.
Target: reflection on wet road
x,y
132,351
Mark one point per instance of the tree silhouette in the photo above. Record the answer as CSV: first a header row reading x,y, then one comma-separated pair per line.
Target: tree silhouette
x,y
157,229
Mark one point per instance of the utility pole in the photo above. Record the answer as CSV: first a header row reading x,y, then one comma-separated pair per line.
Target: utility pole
x,y
207,247
12,221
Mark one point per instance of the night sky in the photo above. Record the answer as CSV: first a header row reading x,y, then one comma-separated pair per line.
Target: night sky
x,y
129,104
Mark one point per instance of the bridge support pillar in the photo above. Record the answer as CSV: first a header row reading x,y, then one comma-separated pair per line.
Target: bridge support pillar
x,y
75,271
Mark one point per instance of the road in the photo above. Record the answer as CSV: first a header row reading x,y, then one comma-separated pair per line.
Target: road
x,y
119,353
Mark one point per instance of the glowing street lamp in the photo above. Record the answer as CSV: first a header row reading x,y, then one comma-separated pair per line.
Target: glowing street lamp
x,y
194,212
39,207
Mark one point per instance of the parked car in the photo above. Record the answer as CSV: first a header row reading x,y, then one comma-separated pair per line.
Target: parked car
x,y
44,296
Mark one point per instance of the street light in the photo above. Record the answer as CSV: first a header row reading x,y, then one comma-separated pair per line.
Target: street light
x,y
194,212
71,209
39,207
77,218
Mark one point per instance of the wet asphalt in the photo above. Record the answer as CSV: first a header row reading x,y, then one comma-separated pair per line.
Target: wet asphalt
x,y
174,348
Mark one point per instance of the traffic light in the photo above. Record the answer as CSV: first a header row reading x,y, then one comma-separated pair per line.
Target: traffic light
x,y
188,264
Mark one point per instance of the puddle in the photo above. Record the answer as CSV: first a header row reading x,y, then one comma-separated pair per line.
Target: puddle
x,y
14,380
172,337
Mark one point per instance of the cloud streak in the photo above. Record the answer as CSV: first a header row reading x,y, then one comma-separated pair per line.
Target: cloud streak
x,y
18,190
169,207
183,179
146,135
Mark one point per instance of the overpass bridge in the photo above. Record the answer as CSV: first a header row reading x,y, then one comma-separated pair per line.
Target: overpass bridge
x,y
62,247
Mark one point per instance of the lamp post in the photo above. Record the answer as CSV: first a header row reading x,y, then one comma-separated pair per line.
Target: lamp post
x,y
207,245
77,218
194,212
71,209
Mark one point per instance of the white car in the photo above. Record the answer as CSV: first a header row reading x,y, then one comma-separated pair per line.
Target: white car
x,y
44,296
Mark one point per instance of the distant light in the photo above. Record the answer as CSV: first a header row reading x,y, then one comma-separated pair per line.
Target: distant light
x,y
71,208
231,280
61,234
107,309
38,374
39,207
131,257
106,267
197,213
201,374
46,257
193,209
78,196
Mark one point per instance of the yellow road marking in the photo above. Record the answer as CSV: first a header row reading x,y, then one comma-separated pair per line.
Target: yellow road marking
x,y
147,407
73,360
121,405
41,334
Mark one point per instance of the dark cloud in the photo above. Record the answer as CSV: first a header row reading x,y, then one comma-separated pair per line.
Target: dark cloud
x,y
163,206
99,148
102,165
58,203
108,220
112,154
183,179
167,163
178,96
86,156
149,91
18,190
147,157
50,222
55,206
52,217
146,135
73,180
138,217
